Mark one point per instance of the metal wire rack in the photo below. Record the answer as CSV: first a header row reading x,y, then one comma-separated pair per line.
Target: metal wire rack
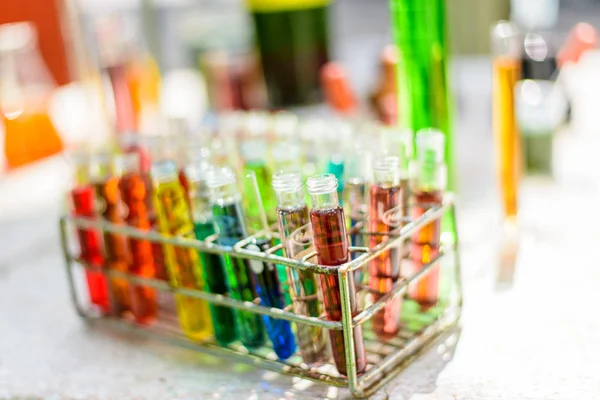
x,y
385,359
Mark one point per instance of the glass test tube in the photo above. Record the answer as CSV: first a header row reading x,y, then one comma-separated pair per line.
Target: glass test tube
x,y
110,208
224,318
387,214
134,191
254,154
183,264
267,281
294,230
358,168
228,221
428,182
506,73
83,203
331,243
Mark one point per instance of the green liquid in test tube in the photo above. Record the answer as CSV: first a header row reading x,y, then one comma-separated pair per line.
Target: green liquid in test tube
x,y
224,318
423,92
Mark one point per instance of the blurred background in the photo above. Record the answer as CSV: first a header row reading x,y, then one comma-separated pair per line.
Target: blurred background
x,y
94,72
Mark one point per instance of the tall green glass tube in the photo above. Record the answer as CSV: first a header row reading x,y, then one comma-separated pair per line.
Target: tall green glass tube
x,y
423,93
421,38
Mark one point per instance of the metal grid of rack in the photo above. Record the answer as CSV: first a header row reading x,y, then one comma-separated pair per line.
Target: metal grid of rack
x,y
385,358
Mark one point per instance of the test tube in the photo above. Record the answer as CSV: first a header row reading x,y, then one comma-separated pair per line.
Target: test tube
x,y
254,154
134,191
268,285
331,243
83,203
224,318
228,221
357,173
295,234
387,213
108,201
428,182
183,264
506,72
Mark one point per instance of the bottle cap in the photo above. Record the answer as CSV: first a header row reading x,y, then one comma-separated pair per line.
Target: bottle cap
x,y
322,184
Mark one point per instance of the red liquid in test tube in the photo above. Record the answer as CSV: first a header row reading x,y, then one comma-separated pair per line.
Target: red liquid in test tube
x,y
331,243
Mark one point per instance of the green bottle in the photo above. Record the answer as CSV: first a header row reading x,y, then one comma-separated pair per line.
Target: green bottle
x,y
292,37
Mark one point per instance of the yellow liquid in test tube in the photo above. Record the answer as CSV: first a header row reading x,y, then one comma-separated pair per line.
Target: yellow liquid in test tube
x,y
506,72
183,264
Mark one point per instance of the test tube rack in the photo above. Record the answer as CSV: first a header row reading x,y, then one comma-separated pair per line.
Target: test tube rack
x,y
385,358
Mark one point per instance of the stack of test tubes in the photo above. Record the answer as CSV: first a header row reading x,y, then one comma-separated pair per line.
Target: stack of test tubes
x,y
252,182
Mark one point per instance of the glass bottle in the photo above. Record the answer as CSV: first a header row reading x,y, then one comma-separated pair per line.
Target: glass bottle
x,y
331,243
292,37
26,88
183,264
295,234
228,221
428,182
134,191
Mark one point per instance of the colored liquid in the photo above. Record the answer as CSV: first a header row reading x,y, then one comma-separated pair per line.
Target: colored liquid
x,y
224,320
269,292
115,245
304,289
183,264
263,179
425,246
293,47
123,99
90,245
229,224
29,136
143,298
331,244
386,211
506,134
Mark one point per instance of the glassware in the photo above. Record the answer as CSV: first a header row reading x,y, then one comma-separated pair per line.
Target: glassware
x,y
428,182
183,264
26,87
134,192
331,243
295,234
293,41
228,220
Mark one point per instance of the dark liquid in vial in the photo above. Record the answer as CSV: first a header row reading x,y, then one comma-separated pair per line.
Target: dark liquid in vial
x,y
331,244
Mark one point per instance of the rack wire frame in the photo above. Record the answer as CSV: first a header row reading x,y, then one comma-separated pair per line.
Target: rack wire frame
x,y
386,359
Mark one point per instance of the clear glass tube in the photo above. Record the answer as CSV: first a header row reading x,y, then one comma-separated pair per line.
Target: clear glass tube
x,y
331,243
387,213
428,185
506,72
228,221
134,192
183,264
295,234
224,318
